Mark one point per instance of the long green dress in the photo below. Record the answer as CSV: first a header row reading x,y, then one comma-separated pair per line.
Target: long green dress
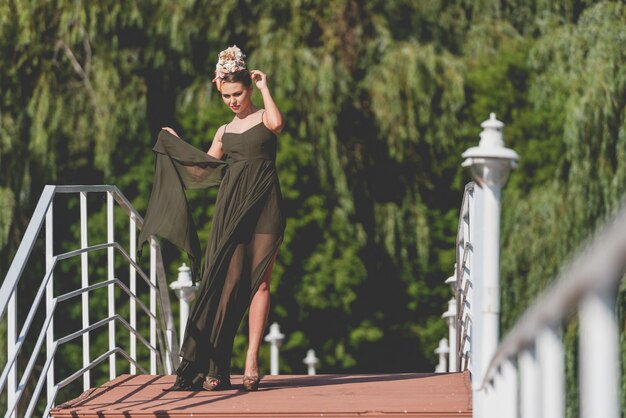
x,y
246,231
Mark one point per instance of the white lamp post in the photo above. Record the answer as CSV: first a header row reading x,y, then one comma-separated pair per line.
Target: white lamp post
x,y
275,338
311,361
186,292
490,163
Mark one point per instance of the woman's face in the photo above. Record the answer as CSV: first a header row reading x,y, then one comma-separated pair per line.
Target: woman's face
x,y
236,96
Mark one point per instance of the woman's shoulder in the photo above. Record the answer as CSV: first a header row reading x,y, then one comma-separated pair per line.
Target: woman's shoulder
x,y
220,132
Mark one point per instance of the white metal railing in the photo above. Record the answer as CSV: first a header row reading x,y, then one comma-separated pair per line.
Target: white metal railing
x,y
466,239
526,375
458,345
160,352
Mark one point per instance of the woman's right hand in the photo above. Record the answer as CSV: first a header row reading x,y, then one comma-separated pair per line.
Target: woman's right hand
x,y
170,130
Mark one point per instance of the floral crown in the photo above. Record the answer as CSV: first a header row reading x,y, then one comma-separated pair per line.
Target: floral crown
x,y
230,60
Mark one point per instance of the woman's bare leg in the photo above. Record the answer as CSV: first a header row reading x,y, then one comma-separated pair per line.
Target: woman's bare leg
x,y
257,316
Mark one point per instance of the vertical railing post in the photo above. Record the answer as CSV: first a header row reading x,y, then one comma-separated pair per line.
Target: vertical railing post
x,y
50,302
530,388
599,356
84,266
551,365
490,287
275,338
478,368
111,287
488,400
508,399
153,280
476,275
133,289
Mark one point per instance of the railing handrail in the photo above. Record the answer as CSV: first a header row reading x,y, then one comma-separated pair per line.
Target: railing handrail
x,y
598,267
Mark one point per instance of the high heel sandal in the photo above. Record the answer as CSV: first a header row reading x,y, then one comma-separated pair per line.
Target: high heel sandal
x,y
251,383
215,383
187,379
183,385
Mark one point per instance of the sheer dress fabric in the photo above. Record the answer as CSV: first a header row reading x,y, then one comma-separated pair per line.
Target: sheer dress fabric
x,y
246,231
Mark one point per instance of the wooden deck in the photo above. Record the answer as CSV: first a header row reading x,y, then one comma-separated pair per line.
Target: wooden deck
x,y
380,395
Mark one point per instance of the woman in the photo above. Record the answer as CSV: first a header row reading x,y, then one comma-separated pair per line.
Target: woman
x,y
246,231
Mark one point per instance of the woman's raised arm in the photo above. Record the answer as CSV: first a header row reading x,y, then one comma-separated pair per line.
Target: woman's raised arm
x,y
272,117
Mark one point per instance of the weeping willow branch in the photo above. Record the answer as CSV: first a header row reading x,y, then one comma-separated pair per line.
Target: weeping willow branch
x,y
83,73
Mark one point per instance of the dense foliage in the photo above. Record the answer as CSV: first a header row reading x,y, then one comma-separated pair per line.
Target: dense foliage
x,y
381,98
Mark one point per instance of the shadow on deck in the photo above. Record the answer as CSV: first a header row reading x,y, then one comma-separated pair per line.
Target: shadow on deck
x,y
375,395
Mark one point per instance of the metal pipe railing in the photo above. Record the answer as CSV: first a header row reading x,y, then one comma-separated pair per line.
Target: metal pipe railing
x,y
459,308
164,354
534,347
526,375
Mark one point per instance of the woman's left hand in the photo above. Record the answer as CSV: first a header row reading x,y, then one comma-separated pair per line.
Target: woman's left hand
x,y
170,130
259,78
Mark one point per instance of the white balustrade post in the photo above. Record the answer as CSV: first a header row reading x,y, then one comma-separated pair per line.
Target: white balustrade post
x,y
111,287
551,356
84,282
50,303
186,292
311,361
490,163
530,388
133,289
507,400
599,356
153,280
450,317
275,338
488,401
442,350
474,276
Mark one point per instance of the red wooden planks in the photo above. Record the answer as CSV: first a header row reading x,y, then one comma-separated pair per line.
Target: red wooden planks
x,y
388,395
